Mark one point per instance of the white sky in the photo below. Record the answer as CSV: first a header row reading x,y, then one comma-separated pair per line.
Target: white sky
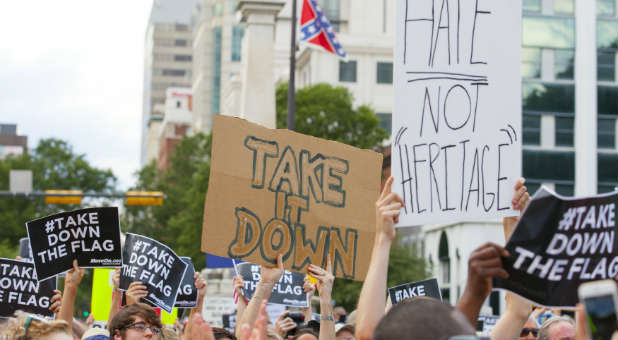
x,y
73,69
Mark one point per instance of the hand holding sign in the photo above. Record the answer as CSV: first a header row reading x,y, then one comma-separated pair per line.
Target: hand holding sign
x,y
136,292
55,302
272,275
388,207
73,277
520,200
325,278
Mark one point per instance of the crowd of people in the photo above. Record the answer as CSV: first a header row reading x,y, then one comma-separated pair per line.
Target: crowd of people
x,y
374,318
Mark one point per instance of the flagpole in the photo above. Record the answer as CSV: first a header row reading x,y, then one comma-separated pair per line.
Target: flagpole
x,y
292,82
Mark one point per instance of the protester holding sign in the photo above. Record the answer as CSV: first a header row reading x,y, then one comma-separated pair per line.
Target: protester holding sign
x,y
71,282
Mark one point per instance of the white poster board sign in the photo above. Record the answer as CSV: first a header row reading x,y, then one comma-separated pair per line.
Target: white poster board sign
x,y
456,144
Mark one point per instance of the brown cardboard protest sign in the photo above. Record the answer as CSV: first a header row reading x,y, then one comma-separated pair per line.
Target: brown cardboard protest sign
x,y
278,191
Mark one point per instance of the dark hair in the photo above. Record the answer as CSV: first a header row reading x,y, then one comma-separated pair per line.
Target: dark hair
x,y
126,316
222,333
426,318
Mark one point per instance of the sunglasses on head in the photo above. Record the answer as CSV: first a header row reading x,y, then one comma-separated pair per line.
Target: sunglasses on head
x,y
525,331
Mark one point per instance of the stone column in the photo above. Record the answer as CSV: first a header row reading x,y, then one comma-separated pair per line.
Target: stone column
x,y
258,84
585,98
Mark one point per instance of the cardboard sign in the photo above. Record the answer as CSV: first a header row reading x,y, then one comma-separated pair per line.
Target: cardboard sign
x,y
156,266
288,292
92,236
456,150
409,290
187,294
560,243
280,192
20,289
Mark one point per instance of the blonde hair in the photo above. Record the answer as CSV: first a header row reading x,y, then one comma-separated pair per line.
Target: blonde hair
x,y
26,327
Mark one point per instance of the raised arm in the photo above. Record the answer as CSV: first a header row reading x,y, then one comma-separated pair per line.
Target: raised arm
x,y
517,309
269,277
116,295
325,289
200,285
71,282
241,302
371,302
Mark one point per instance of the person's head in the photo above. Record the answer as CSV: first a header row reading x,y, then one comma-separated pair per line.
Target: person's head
x,y
557,328
169,333
306,333
222,334
423,318
530,330
339,314
344,332
136,321
27,327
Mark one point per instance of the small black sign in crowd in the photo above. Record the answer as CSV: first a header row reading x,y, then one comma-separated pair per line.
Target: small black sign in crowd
x,y
409,290
20,289
289,291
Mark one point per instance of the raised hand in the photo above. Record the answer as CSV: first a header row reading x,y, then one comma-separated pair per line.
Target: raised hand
x,y
271,275
325,278
136,292
74,276
55,302
284,324
387,211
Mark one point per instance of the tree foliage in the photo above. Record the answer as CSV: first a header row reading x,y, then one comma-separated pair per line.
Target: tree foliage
x,y
54,165
327,112
178,222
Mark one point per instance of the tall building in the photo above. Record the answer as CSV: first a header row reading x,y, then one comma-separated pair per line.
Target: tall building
x,y
176,124
11,144
168,56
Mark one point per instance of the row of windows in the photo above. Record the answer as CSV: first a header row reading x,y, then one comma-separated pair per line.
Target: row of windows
x,y
164,42
540,166
605,8
347,72
170,72
560,98
559,32
564,127
172,27
172,57
165,86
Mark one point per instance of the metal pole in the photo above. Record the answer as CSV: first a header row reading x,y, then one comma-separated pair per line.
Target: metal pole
x,y
292,83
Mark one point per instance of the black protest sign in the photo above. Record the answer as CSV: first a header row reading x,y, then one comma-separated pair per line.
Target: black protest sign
x,y
156,266
421,288
92,236
20,289
25,252
187,293
289,291
486,323
560,243
229,321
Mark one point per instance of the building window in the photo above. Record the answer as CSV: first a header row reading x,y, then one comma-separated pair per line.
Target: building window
x,y
180,42
531,62
162,57
540,166
607,34
385,73
532,129
445,266
607,97
548,97
163,42
563,64
217,9
183,57
606,133
331,9
564,6
237,34
174,73
607,168
606,66
564,131
216,79
564,189
532,5
181,27
386,121
347,71
548,32
606,8
532,186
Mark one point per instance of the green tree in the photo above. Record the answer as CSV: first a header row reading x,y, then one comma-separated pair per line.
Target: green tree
x,y
327,112
178,222
54,165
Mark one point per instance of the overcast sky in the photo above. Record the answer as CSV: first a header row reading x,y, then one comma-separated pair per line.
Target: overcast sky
x,y
73,69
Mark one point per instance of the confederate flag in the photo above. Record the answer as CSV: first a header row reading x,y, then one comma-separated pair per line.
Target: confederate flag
x,y
315,29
